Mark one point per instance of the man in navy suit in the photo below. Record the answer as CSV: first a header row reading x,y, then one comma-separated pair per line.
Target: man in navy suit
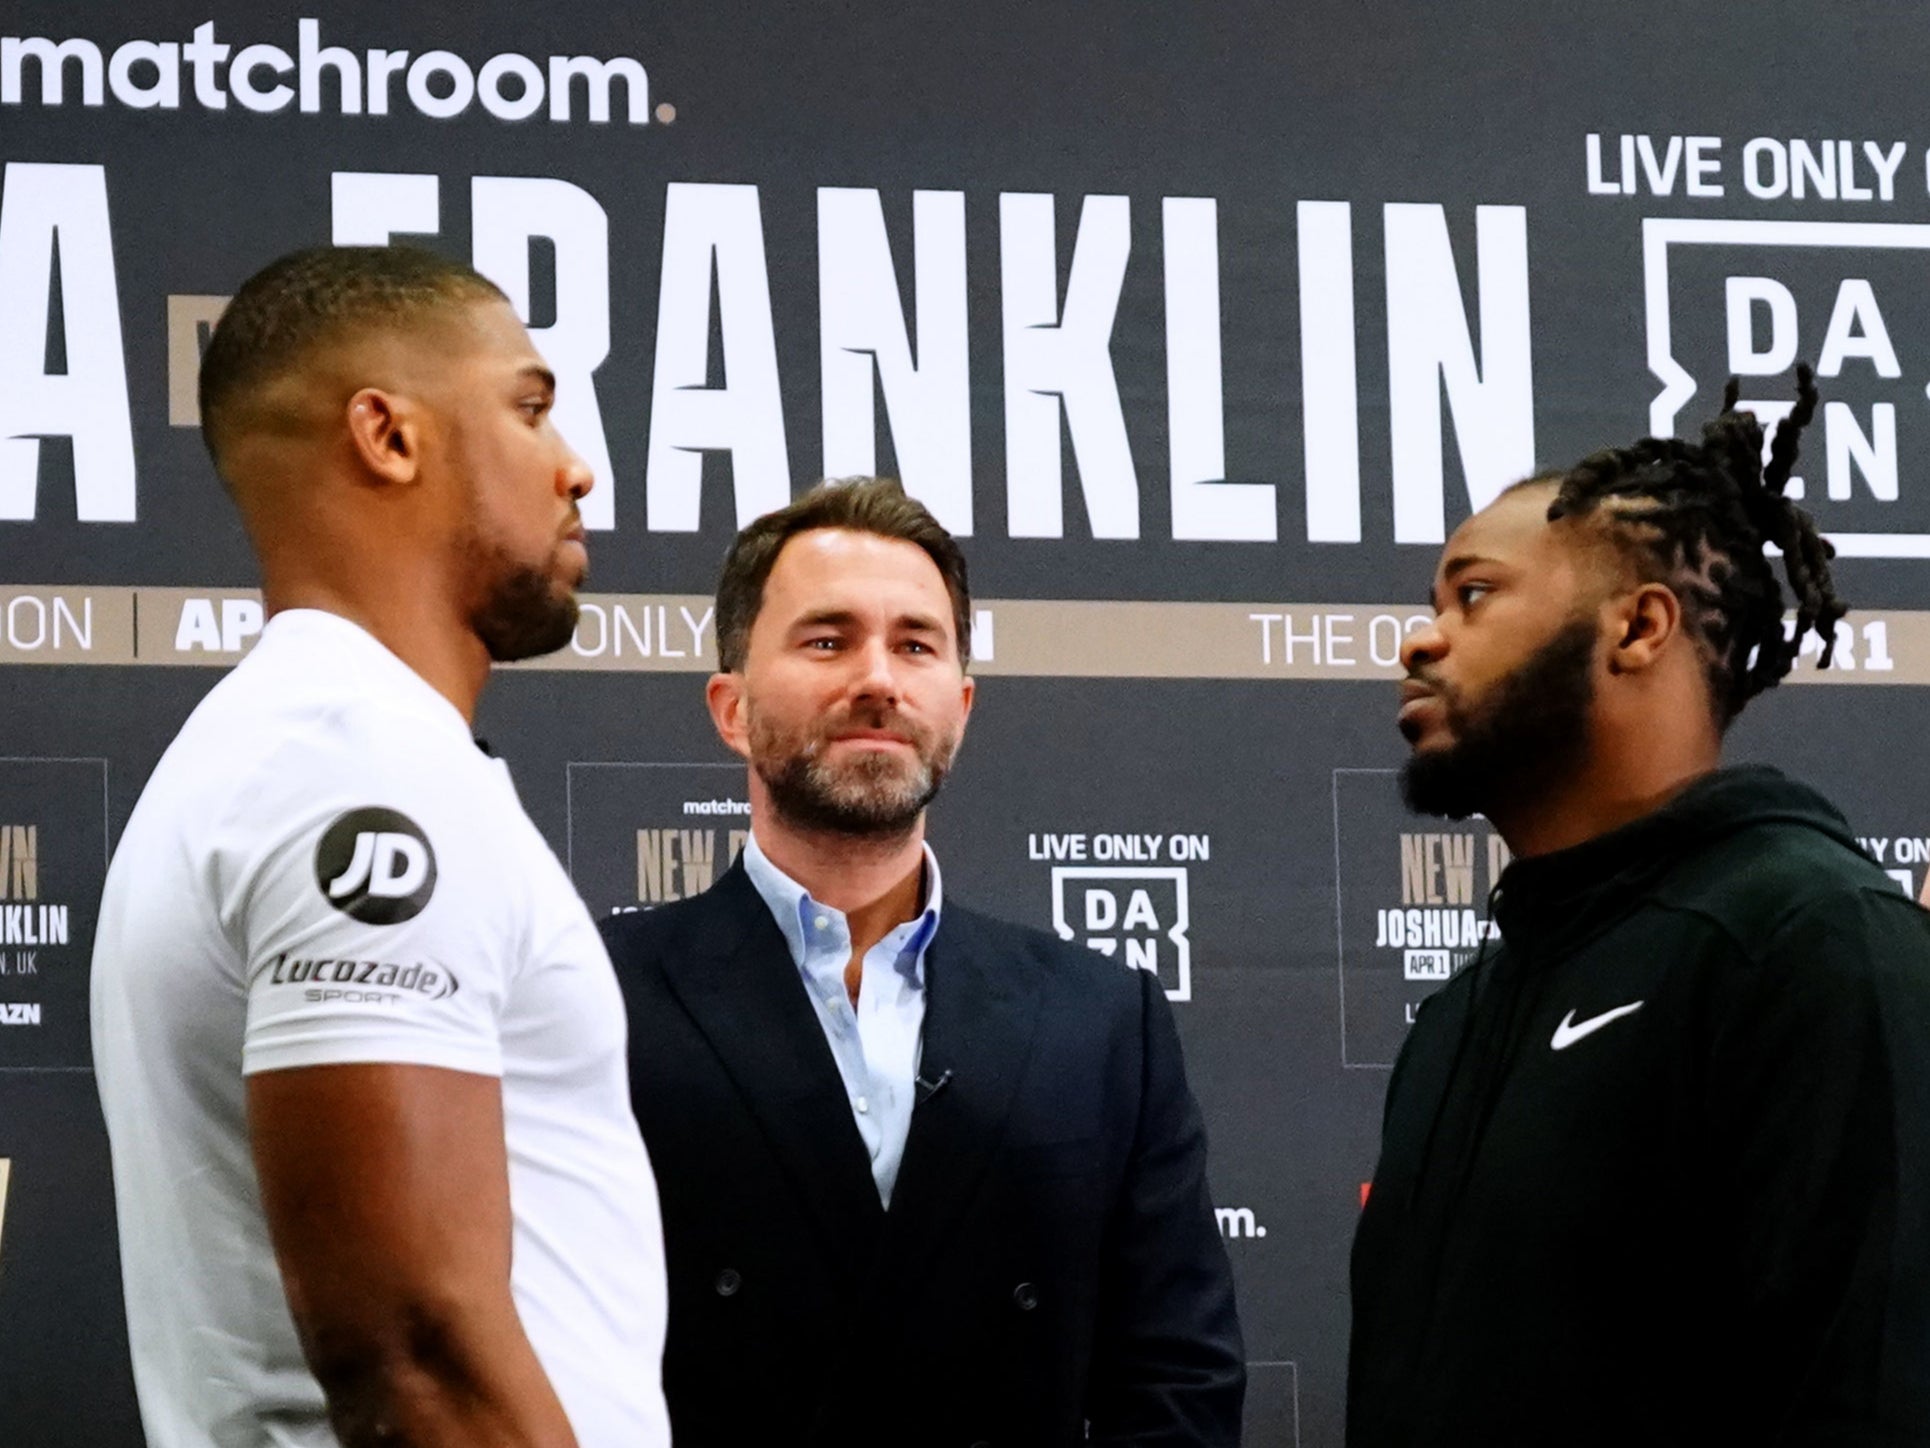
x,y
927,1178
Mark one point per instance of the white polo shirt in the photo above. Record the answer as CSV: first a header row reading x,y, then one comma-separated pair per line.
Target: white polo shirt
x,y
325,868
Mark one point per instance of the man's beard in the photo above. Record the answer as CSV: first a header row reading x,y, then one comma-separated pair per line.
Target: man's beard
x,y
524,613
1528,733
871,794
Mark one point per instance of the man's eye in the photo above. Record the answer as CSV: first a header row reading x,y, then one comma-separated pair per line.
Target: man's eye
x,y
822,644
1470,594
918,646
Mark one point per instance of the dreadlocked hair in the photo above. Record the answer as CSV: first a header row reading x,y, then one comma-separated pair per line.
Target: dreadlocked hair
x,y
1696,517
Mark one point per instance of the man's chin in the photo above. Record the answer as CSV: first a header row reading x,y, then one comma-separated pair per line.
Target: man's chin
x,y
531,637
1433,782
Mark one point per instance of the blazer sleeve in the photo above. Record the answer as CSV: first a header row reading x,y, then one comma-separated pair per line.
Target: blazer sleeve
x,y
1169,1367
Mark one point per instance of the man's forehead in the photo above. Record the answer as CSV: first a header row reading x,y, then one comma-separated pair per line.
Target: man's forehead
x,y
851,564
495,332
1512,529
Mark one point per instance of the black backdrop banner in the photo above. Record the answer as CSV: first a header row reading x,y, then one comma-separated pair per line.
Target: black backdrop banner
x,y
1202,322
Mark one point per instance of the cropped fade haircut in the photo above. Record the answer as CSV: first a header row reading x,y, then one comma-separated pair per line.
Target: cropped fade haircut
x,y
287,311
1696,517
863,505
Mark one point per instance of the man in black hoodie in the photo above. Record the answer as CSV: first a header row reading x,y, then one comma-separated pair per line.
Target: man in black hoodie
x,y
1656,1170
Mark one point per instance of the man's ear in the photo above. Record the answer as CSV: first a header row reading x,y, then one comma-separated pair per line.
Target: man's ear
x,y
1646,622
724,694
385,430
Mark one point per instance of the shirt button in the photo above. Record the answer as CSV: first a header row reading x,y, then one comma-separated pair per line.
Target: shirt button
x,y
821,923
1025,1297
863,1105
728,1281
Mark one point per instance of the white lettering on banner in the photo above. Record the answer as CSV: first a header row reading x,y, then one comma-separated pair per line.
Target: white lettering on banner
x,y
439,83
1824,170
1055,355
507,212
613,630
1765,327
203,629
241,77
1856,329
598,77
314,57
1429,348
1238,1222
455,70
861,321
88,402
1694,160
745,416
1873,454
163,91
368,207
1205,505
52,60
1741,297
203,54
34,623
1332,640
1329,386
529,87
1856,332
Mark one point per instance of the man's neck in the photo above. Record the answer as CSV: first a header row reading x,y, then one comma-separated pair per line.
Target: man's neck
x,y
1596,802
876,883
408,623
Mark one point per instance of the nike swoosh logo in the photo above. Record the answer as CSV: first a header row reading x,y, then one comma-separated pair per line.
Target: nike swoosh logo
x,y
1570,1030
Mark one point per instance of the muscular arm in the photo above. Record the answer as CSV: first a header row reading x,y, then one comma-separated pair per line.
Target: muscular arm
x,y
387,1196
1168,1365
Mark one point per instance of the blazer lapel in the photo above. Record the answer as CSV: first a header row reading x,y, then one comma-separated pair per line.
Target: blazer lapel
x,y
741,987
980,1019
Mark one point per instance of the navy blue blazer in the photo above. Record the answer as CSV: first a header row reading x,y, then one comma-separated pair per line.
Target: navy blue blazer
x,y
1050,1267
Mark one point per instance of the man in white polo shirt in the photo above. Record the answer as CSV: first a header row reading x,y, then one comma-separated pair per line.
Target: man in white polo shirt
x,y
360,1049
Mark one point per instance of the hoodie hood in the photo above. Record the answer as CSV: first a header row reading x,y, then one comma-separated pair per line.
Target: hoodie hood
x,y
1551,901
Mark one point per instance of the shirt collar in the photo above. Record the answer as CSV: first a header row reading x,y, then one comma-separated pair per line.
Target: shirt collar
x,y
791,906
316,633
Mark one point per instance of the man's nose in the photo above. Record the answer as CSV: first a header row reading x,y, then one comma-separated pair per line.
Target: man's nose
x,y
573,476
877,678
1425,645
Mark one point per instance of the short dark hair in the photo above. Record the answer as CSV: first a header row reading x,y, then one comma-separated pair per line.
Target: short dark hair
x,y
1696,517
864,505
301,301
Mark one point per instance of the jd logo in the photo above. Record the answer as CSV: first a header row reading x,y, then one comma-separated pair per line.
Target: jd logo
x,y
1140,914
376,865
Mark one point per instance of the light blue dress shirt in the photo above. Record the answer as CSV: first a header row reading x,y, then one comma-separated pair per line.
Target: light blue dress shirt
x,y
876,1044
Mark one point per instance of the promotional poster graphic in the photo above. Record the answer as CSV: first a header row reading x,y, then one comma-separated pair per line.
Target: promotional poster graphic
x,y
1201,325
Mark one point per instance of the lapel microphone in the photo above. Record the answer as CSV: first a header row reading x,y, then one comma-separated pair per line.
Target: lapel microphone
x,y
925,1090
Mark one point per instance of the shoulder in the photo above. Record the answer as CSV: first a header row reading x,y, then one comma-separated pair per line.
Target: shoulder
x,y
1767,883
1061,965
636,939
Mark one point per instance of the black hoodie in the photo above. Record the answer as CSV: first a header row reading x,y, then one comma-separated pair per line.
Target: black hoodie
x,y
1657,1169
